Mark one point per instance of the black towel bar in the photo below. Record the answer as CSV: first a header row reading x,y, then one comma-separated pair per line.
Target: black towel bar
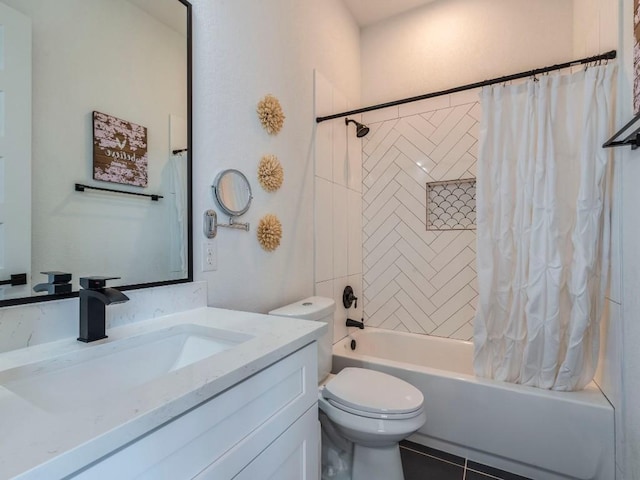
x,y
633,139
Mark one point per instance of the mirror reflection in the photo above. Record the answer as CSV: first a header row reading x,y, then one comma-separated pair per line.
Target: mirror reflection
x,y
62,61
233,192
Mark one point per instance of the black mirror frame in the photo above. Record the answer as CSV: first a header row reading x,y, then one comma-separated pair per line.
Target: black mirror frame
x,y
47,298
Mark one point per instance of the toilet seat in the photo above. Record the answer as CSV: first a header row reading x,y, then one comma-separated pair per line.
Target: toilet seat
x,y
379,415
372,394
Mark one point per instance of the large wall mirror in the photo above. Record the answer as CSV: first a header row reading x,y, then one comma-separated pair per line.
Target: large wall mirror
x,y
61,61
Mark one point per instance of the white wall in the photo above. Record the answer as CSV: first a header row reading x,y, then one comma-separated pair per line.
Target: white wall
x,y
595,27
630,256
244,49
595,30
119,60
455,42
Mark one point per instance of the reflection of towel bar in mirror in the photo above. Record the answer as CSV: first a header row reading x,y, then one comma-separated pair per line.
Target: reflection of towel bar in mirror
x,y
81,187
15,280
211,224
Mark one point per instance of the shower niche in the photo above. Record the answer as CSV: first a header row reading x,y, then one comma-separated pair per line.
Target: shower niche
x,y
451,205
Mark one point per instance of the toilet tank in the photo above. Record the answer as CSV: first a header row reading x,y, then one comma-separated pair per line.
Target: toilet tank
x,y
319,309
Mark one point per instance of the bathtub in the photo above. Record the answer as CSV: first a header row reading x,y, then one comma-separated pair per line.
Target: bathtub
x,y
536,433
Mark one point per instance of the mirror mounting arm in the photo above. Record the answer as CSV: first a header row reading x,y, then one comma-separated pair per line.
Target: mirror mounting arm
x,y
233,224
211,224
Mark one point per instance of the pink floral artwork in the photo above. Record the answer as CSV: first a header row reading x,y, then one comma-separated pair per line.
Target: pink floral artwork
x,y
119,151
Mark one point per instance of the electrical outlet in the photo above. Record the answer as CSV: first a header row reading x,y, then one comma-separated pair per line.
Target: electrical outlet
x,y
209,256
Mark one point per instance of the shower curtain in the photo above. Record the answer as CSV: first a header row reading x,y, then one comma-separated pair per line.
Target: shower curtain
x,y
543,228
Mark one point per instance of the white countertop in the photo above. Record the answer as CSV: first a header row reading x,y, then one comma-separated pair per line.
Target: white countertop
x,y
36,444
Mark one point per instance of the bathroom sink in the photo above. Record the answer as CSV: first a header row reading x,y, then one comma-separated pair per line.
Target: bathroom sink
x,y
99,372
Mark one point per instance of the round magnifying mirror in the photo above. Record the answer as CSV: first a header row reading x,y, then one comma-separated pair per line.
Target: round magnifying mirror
x,y
232,192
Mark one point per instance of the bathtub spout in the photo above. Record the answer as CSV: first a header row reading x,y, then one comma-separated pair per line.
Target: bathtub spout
x,y
355,323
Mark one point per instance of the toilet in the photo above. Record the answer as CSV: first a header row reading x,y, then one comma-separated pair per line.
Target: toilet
x,y
371,409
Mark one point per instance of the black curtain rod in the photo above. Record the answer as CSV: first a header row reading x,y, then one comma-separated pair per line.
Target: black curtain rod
x,y
605,56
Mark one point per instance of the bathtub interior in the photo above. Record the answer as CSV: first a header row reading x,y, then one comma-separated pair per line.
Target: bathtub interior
x,y
442,353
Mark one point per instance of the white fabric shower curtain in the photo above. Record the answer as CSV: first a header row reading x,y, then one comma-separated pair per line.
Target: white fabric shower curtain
x,y
543,228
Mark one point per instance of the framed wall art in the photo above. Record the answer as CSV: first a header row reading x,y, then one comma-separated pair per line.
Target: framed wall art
x,y
636,56
119,151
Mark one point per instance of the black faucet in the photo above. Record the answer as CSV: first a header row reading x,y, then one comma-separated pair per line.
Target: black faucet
x,y
355,323
94,297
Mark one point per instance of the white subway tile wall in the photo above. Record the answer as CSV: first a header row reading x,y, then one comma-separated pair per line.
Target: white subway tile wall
x,y
323,229
338,205
417,280
370,213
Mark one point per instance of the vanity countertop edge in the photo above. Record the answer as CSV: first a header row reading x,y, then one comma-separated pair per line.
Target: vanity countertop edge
x,y
40,445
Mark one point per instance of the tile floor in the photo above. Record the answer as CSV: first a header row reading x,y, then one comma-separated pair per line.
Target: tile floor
x,y
424,463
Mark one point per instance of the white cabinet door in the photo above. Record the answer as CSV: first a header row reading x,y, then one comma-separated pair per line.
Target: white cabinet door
x,y
293,456
222,435
15,149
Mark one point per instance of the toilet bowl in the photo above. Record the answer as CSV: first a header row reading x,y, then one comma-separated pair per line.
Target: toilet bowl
x,y
374,411
371,409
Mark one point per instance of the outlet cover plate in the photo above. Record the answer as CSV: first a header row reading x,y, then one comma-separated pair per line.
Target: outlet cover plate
x,y
209,256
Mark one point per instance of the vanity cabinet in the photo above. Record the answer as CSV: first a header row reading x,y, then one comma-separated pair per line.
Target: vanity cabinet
x,y
264,427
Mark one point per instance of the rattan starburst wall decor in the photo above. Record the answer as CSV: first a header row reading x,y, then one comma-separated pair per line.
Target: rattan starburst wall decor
x,y
270,173
269,232
270,114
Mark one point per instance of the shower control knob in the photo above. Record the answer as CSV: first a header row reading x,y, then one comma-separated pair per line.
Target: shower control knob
x,y
348,298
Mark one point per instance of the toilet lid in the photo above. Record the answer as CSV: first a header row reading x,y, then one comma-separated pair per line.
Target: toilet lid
x,y
374,392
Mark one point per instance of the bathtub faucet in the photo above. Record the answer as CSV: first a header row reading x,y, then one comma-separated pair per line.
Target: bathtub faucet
x,y
355,323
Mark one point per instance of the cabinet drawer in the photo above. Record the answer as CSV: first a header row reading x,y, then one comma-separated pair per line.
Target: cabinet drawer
x,y
252,413
294,455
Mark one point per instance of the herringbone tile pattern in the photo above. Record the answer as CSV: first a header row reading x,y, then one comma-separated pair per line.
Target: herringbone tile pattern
x,y
417,280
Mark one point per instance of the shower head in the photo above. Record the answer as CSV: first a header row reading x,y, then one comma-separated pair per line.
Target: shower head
x,y
361,130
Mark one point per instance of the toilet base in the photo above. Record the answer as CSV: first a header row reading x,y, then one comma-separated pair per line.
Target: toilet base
x,y
382,463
